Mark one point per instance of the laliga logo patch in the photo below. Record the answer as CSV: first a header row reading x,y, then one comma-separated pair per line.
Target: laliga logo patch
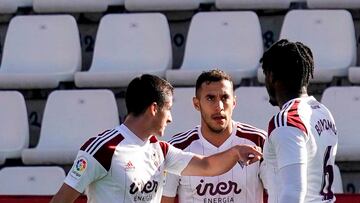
x,y
79,167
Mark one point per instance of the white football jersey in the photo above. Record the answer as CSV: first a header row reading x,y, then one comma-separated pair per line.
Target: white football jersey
x,y
314,123
237,185
117,166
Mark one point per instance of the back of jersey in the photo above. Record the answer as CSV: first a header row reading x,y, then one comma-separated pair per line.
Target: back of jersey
x,y
321,150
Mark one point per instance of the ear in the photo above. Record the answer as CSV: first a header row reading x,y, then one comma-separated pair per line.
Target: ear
x,y
196,103
234,102
153,108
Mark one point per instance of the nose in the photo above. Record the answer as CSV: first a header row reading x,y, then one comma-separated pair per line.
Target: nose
x,y
219,105
169,118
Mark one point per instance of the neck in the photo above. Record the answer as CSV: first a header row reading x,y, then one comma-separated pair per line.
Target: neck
x,y
216,138
137,125
284,95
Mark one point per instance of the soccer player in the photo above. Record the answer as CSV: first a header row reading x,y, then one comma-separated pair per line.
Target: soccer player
x,y
302,140
127,164
215,100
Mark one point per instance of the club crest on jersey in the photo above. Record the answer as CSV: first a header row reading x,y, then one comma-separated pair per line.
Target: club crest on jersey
x,y
79,167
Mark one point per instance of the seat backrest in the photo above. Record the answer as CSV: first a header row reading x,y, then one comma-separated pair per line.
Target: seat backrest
x,y
50,6
344,102
72,116
329,34
223,40
14,127
137,42
8,6
253,4
344,4
253,107
161,5
41,44
184,114
36,180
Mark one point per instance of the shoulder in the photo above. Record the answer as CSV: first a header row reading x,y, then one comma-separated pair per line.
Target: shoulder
x,y
102,147
289,116
184,139
251,133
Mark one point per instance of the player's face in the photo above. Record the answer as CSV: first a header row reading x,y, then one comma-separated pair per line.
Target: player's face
x,y
270,88
163,116
216,102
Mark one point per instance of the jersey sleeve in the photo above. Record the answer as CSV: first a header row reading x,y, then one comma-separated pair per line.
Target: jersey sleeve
x,y
85,170
171,185
176,160
290,146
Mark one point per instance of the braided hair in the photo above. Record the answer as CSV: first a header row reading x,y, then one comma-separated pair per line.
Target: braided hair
x,y
290,62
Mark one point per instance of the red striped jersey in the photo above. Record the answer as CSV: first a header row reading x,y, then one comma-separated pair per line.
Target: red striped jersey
x,y
117,166
303,132
237,185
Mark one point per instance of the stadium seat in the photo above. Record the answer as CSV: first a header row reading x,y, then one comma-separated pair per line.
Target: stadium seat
x,y
344,4
337,184
56,6
116,2
354,75
70,118
253,107
40,51
128,45
14,127
344,104
8,6
332,40
36,180
161,5
253,4
184,114
231,41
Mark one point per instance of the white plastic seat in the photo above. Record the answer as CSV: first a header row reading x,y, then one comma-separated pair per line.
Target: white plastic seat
x,y
161,5
116,2
344,4
36,180
344,102
329,34
70,118
337,184
40,51
253,107
14,127
354,75
128,45
55,6
231,41
253,4
8,6
184,114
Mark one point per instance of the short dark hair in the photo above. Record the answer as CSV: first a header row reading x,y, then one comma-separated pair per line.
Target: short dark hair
x,y
214,75
144,90
289,62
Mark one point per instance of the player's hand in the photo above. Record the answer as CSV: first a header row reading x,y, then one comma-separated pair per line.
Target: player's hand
x,y
248,154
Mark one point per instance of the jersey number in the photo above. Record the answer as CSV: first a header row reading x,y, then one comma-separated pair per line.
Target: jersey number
x,y
328,177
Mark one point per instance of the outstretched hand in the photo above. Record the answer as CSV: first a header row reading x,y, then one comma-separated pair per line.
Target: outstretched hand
x,y
248,154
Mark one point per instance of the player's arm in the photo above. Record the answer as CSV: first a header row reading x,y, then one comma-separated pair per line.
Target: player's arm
x,y
291,152
166,199
222,162
66,194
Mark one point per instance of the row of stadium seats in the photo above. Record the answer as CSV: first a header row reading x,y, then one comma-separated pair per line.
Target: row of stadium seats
x,y
40,51
56,6
72,116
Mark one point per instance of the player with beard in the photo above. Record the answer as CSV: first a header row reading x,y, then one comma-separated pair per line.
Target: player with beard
x,y
215,100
